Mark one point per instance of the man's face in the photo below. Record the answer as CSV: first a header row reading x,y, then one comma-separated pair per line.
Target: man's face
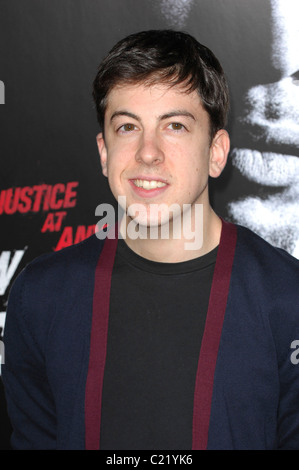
x,y
157,148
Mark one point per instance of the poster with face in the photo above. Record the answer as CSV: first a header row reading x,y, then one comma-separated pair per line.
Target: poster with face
x,y
271,121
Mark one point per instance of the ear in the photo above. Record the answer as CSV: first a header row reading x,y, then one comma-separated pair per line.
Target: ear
x,y
218,153
103,152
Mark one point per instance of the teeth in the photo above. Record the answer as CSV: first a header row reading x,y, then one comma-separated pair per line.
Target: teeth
x,y
145,184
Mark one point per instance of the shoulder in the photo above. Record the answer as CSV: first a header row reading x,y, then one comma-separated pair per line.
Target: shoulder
x,y
54,281
266,278
70,257
50,270
266,274
54,267
259,253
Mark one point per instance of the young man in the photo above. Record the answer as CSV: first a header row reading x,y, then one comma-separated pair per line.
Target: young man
x,y
180,331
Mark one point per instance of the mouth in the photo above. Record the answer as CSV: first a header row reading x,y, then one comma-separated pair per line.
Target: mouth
x,y
148,184
148,187
266,168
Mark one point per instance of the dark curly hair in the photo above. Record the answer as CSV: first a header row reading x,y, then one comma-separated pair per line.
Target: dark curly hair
x,y
168,57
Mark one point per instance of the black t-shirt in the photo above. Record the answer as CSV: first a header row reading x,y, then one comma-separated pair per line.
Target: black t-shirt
x,y
156,322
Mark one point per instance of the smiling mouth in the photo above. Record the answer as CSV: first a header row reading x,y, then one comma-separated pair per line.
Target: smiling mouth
x,y
146,184
267,168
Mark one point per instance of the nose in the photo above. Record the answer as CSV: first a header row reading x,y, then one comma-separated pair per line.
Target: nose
x,y
149,150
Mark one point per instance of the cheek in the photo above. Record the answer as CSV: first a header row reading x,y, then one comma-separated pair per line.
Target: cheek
x,y
194,177
116,167
115,161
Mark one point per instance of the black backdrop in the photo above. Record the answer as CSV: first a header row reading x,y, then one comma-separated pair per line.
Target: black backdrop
x,y
50,178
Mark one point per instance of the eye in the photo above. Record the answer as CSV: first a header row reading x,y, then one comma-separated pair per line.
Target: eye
x,y
176,126
127,128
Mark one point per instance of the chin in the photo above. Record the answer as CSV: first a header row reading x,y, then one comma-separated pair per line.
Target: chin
x,y
161,227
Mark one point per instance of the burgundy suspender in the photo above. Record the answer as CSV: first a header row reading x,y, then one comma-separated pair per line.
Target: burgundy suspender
x,y
211,337
98,344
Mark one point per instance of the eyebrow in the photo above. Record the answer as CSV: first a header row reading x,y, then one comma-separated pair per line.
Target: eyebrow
x,y
178,112
175,113
124,113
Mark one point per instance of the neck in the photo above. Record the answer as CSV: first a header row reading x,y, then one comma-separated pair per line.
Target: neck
x,y
199,234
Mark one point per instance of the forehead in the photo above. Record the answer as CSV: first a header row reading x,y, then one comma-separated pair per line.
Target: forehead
x,y
157,98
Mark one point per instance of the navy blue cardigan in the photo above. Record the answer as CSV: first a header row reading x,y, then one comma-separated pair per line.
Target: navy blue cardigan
x,y
247,385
